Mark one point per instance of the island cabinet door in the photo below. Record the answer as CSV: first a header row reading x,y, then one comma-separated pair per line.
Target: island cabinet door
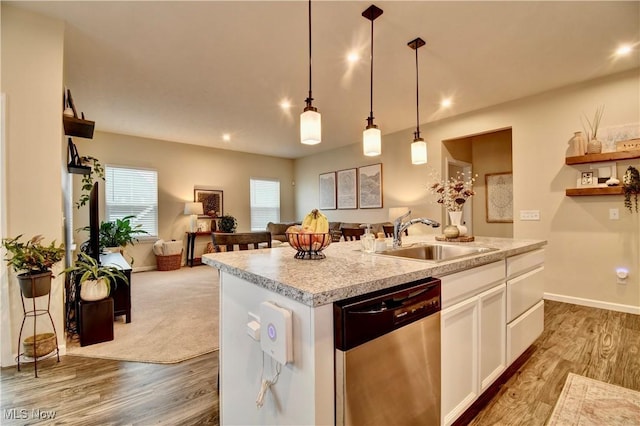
x,y
493,324
460,352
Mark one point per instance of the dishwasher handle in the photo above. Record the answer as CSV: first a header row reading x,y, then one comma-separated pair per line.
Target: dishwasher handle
x,y
359,320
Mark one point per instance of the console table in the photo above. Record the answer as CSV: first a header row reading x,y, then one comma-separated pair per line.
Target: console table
x,y
191,244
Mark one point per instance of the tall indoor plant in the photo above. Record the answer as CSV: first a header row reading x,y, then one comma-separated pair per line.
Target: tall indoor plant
x,y
35,260
95,279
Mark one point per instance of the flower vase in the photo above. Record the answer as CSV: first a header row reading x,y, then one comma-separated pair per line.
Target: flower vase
x,y
456,220
577,145
594,147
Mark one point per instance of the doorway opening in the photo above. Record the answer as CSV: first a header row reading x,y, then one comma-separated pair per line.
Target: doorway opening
x,y
480,155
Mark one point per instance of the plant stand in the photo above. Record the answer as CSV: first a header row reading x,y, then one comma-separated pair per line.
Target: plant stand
x,y
35,313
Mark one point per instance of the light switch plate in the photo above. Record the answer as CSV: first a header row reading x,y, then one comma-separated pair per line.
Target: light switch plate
x,y
614,214
529,214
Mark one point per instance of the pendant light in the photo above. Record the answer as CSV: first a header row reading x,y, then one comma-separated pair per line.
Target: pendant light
x,y
419,146
371,138
310,120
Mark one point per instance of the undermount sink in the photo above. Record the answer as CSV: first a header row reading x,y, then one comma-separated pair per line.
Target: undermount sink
x,y
435,252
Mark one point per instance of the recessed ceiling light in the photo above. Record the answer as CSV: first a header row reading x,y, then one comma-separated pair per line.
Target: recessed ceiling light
x,y
226,137
353,57
445,103
624,50
285,104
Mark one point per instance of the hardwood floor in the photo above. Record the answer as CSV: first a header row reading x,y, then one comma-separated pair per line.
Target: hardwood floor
x,y
596,343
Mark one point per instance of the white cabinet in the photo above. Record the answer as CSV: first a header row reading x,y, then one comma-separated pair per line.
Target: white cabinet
x,y
492,334
473,336
459,363
525,309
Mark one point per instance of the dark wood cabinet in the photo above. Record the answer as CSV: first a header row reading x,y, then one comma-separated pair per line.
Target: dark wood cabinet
x,y
121,294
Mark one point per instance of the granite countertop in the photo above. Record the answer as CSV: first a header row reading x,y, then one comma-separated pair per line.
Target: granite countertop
x,y
346,271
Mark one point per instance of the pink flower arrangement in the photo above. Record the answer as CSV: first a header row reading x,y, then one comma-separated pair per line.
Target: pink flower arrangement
x,y
454,192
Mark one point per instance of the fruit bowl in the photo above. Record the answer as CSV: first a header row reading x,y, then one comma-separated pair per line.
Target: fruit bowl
x,y
308,246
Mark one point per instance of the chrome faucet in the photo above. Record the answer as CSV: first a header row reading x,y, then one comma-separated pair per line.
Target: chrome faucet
x,y
399,227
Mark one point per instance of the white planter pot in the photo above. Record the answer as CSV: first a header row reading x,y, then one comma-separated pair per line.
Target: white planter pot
x,y
92,290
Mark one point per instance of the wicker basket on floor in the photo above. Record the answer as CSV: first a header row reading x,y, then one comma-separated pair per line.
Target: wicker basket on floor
x,y
170,262
45,344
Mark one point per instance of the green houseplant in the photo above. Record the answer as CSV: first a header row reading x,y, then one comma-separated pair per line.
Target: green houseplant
x,y
117,233
95,279
35,259
227,223
87,180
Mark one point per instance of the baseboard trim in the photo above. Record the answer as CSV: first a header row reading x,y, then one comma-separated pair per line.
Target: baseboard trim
x,y
144,268
629,309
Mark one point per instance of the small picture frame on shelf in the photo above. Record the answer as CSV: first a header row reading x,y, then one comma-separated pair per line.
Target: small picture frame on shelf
x,y
587,179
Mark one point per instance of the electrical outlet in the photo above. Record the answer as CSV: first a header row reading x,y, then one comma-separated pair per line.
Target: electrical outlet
x,y
614,214
529,214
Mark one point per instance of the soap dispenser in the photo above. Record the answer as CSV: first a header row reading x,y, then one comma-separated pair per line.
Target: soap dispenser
x,y
368,240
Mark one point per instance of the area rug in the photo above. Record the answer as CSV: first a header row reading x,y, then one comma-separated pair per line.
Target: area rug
x,y
585,401
174,317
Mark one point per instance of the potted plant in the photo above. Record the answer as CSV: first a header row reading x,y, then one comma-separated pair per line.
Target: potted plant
x,y
631,182
87,180
227,224
35,260
117,233
95,279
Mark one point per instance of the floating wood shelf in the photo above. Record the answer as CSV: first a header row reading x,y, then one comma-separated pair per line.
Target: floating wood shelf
x,y
605,156
609,190
78,127
78,170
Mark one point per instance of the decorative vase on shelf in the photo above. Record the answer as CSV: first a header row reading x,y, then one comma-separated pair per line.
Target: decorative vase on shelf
x,y
577,145
594,147
456,220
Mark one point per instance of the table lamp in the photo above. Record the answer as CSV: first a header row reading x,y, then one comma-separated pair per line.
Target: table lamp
x,y
193,209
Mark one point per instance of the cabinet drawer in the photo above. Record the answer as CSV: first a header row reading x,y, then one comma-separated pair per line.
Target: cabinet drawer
x,y
524,291
522,332
463,285
524,262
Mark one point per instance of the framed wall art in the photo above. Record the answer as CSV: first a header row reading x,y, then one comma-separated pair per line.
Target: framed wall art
x,y
499,200
327,191
212,201
370,186
346,189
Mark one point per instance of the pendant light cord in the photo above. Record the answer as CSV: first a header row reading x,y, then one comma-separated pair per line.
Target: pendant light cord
x,y
310,98
371,85
417,135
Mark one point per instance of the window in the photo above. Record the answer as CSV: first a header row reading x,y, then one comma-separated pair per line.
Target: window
x,y
265,203
132,192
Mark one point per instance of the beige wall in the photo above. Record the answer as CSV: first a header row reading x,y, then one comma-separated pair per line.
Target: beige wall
x,y
491,154
181,167
584,246
32,51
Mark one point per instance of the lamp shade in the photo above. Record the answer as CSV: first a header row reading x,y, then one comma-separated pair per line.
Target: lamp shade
x,y
193,208
310,127
372,141
396,212
419,151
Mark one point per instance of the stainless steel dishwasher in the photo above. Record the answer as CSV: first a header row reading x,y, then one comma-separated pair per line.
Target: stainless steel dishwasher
x,y
388,356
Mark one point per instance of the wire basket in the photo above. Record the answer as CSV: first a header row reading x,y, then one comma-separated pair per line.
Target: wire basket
x,y
309,246
45,343
170,262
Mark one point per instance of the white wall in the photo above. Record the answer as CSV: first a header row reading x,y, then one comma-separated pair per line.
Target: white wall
x,y
32,63
585,247
181,167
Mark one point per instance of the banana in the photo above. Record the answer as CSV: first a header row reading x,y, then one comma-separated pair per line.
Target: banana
x,y
315,222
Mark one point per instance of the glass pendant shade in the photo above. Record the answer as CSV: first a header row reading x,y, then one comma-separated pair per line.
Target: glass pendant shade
x,y
372,141
419,151
310,127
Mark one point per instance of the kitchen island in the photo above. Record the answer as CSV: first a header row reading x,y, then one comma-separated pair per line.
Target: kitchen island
x,y
304,393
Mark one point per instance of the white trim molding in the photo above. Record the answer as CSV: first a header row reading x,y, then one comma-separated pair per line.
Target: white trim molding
x,y
629,309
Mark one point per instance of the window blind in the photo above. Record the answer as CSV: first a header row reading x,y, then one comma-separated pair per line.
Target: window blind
x,y
132,192
265,203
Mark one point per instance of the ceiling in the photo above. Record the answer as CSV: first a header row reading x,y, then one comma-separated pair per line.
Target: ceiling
x,y
191,71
